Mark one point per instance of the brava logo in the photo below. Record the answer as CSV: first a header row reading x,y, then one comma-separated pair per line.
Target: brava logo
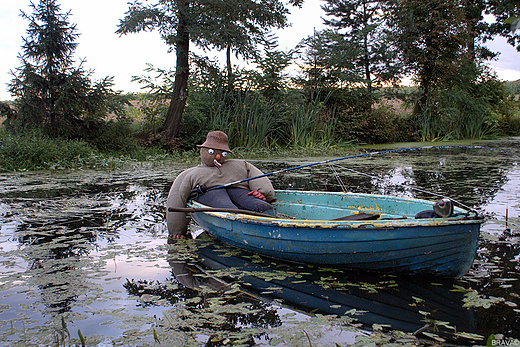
x,y
500,340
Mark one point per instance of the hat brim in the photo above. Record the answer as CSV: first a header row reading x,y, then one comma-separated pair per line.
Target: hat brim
x,y
220,148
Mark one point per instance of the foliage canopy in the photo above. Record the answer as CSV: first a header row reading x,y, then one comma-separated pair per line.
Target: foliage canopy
x,y
235,25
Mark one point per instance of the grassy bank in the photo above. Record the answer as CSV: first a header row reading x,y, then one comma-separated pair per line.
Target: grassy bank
x,y
29,152
32,152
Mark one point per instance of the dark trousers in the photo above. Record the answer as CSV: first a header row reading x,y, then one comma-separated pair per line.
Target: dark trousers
x,y
235,198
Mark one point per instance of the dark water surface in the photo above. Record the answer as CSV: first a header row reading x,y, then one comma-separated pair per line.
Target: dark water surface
x,y
84,256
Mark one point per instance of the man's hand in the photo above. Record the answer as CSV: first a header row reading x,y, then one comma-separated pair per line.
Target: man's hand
x,y
257,194
173,238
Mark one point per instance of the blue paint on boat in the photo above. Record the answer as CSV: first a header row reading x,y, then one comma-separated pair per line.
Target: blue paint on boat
x,y
395,242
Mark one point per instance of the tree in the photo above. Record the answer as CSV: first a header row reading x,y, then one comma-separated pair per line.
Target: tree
x,y
270,78
433,39
442,45
51,94
356,51
326,61
362,25
505,13
234,25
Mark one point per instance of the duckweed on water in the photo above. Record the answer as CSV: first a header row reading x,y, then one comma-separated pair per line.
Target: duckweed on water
x,y
85,261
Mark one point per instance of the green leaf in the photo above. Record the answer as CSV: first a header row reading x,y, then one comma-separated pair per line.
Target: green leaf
x,y
434,336
511,20
515,23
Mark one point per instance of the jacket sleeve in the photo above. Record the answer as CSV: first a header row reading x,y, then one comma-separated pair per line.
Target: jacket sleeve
x,y
178,197
263,184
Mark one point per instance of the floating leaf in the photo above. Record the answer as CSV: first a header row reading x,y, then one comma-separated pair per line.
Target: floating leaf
x,y
434,336
473,299
470,336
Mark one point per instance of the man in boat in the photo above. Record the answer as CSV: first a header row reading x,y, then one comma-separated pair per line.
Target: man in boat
x,y
216,170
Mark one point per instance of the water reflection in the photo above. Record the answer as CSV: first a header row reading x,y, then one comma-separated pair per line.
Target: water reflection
x,y
402,303
89,247
459,173
57,230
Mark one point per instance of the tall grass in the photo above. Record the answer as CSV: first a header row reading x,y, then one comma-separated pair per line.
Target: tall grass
x,y
310,127
250,121
454,114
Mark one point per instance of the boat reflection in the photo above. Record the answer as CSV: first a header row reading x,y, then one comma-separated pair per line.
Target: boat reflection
x,y
409,304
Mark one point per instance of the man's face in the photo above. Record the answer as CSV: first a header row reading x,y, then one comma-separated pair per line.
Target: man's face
x,y
212,157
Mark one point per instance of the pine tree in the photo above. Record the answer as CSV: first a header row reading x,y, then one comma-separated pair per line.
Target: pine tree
x,y
51,94
327,61
364,34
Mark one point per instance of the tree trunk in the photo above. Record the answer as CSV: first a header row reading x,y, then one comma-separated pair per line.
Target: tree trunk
x,y
368,78
474,10
180,88
231,80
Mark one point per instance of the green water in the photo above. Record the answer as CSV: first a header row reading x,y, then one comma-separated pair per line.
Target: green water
x,y
85,253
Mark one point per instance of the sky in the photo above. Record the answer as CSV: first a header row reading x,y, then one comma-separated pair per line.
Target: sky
x,y
108,54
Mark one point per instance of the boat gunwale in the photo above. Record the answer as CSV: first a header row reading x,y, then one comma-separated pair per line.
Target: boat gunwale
x,y
460,218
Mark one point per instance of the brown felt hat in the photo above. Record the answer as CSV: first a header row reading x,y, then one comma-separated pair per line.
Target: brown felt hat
x,y
216,140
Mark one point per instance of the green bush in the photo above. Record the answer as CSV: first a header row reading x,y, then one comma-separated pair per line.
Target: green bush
x,y
110,136
484,109
32,151
380,125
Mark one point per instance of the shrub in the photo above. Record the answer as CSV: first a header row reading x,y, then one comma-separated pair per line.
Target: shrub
x,y
380,125
32,151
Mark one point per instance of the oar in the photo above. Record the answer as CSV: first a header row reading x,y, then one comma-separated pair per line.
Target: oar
x,y
353,217
217,209
350,157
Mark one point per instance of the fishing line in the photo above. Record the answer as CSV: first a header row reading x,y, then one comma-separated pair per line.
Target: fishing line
x,y
410,187
340,181
354,156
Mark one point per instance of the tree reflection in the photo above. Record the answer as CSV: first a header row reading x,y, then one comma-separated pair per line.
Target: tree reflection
x,y
210,306
61,226
56,252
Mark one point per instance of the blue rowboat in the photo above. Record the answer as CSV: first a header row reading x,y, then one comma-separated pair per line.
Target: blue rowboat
x,y
357,231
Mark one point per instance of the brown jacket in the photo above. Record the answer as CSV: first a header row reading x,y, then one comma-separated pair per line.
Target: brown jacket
x,y
232,170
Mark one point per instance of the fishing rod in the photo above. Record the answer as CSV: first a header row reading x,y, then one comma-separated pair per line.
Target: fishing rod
x,y
466,207
198,189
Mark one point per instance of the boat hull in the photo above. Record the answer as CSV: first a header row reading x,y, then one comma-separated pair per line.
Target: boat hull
x,y
434,246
